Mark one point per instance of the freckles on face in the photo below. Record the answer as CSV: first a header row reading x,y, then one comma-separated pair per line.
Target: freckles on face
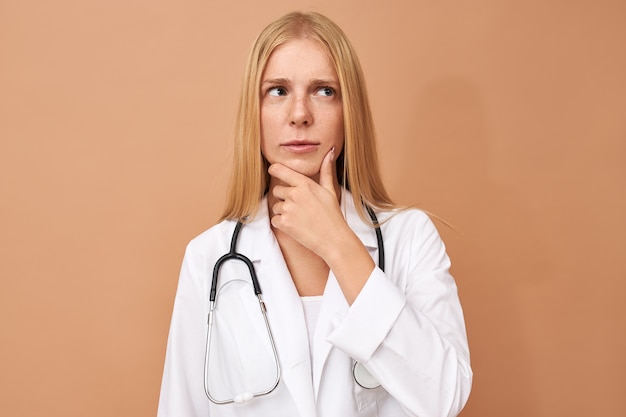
x,y
301,106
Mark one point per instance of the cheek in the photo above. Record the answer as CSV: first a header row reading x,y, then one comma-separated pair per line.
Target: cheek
x,y
269,119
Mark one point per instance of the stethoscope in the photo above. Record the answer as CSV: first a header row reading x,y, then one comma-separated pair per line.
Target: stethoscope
x,y
361,375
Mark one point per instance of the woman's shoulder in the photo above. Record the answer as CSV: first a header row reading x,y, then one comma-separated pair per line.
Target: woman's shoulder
x,y
406,217
411,233
217,236
412,224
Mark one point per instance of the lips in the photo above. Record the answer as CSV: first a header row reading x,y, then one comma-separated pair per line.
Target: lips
x,y
300,146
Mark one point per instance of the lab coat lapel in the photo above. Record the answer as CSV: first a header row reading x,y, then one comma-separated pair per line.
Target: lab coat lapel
x,y
334,305
284,309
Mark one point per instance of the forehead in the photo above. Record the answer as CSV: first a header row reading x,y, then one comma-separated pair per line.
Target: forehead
x,y
300,57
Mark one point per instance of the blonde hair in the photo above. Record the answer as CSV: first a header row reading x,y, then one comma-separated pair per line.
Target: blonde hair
x,y
357,165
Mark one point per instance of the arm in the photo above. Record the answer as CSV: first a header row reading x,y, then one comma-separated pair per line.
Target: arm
x,y
413,340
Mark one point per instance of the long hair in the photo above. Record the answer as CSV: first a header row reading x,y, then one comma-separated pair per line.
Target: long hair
x,y
357,165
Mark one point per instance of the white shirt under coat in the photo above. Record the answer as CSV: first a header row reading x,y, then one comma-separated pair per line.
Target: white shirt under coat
x,y
406,326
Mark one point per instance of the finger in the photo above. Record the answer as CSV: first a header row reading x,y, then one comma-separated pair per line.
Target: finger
x,y
277,208
286,175
327,171
281,191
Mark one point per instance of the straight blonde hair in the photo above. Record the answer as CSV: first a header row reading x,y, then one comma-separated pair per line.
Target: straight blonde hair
x,y
357,165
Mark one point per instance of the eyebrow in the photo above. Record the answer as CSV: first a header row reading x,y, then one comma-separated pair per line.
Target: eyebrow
x,y
322,81
315,81
275,81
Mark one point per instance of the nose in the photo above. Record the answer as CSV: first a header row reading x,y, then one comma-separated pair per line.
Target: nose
x,y
300,114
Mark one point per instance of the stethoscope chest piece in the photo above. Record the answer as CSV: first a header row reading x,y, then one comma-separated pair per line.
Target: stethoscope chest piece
x,y
363,377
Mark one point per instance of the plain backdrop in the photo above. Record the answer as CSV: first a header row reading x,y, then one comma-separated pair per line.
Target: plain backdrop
x,y
505,119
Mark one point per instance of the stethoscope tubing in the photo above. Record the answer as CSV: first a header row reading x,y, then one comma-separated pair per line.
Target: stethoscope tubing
x,y
243,397
233,255
379,238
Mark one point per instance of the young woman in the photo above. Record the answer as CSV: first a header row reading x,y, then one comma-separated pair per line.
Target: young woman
x,y
347,332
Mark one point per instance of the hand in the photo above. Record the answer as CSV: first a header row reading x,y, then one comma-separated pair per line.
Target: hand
x,y
305,210
309,213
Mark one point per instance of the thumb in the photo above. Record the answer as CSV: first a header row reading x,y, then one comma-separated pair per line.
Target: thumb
x,y
327,171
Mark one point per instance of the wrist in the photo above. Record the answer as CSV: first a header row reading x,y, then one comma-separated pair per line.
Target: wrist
x,y
351,264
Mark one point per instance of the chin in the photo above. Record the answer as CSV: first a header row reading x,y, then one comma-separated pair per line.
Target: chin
x,y
308,169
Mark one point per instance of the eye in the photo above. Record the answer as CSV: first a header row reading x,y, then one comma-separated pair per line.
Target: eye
x,y
276,92
326,92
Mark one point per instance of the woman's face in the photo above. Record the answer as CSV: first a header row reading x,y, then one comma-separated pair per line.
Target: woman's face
x,y
301,108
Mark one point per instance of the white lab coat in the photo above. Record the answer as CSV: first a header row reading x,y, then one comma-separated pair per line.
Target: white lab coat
x,y
406,326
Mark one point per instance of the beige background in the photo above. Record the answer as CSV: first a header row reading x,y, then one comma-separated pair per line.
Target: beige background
x,y
505,118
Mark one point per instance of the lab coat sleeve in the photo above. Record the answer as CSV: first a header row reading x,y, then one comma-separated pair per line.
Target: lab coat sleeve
x,y
408,330
182,393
